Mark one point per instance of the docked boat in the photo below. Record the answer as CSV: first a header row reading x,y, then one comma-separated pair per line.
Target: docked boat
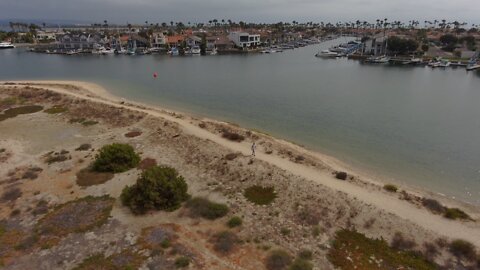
x,y
120,51
195,50
413,61
173,51
378,60
327,54
473,66
6,45
105,51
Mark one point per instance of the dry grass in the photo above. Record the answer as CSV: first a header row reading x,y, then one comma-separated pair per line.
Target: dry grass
x,y
87,177
147,163
75,216
260,195
352,250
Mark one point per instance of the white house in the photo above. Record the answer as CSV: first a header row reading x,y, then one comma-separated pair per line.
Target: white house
x,y
158,40
43,35
244,40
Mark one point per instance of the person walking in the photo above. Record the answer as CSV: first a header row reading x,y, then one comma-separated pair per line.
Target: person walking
x,y
254,146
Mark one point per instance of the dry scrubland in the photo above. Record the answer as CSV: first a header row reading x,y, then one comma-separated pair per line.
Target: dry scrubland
x,y
60,209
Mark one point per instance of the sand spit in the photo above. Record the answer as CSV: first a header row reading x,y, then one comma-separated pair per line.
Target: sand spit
x,y
308,194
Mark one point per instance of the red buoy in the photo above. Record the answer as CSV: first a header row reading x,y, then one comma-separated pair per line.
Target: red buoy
x,y
155,75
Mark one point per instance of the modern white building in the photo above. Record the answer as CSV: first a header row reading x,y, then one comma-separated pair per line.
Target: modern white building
x,y
244,40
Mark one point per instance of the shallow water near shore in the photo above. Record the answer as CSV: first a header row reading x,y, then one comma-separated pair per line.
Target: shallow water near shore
x,y
411,125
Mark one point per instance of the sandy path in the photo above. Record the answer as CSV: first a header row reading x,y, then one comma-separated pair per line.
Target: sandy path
x,y
421,217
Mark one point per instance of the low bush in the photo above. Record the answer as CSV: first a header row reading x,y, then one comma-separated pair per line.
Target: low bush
x,y
231,156
232,136
13,112
116,158
201,207
133,134
390,188
84,147
158,188
224,242
260,195
234,222
301,264
341,175
11,194
433,205
463,249
285,231
278,260
182,262
455,213
56,110
305,254
89,123
400,243
353,248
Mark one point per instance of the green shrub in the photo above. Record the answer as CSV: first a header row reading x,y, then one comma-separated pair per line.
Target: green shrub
x,y
278,260
341,175
116,158
158,188
433,205
455,213
234,222
232,136
224,242
301,264
182,262
463,249
260,195
305,254
285,231
56,109
89,123
390,188
201,207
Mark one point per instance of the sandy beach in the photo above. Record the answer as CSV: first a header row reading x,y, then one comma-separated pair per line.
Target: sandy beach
x,y
304,180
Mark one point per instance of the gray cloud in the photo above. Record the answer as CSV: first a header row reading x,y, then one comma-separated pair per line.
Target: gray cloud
x,y
121,11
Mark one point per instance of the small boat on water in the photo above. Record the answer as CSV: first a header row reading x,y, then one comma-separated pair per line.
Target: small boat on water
x,y
327,54
6,45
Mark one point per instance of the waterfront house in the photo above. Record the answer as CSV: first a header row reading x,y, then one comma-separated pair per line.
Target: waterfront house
x,y
375,46
221,43
244,40
193,41
77,41
158,40
45,36
136,41
175,40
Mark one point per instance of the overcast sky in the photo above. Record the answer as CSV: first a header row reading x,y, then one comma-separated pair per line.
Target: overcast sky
x,y
137,11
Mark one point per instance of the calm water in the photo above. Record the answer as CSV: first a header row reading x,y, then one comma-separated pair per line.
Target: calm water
x,y
412,125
